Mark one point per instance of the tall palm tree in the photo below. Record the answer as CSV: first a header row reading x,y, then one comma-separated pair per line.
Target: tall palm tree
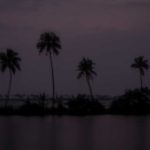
x,y
11,61
141,64
49,43
86,69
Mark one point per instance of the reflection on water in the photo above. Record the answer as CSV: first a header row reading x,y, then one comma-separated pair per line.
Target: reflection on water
x,y
75,133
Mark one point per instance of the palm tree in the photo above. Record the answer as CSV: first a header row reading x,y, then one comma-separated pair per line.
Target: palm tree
x,y
86,69
11,61
142,64
49,43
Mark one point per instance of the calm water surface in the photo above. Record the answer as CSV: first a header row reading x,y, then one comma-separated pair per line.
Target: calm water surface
x,y
75,133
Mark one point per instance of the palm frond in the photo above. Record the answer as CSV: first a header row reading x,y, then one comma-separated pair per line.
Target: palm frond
x,y
140,63
86,67
9,60
49,42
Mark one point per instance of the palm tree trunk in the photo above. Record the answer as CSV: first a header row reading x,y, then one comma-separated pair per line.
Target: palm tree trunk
x,y
9,88
141,81
53,80
90,88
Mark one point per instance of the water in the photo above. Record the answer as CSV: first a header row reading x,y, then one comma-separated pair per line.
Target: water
x,y
75,133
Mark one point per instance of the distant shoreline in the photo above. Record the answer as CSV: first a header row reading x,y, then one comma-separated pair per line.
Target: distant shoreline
x,y
132,102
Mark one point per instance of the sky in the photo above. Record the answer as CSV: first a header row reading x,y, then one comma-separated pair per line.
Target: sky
x,y
110,32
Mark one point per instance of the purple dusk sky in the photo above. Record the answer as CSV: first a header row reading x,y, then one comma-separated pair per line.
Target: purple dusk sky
x,y
110,32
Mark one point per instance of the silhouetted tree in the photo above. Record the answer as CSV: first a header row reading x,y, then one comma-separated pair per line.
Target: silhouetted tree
x,y
86,69
49,43
131,102
11,61
142,64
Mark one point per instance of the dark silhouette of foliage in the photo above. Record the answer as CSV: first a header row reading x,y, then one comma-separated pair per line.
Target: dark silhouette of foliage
x,y
81,105
142,64
31,108
49,43
42,99
132,102
86,69
11,61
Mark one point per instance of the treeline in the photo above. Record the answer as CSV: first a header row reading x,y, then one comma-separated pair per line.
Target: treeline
x,y
49,43
133,102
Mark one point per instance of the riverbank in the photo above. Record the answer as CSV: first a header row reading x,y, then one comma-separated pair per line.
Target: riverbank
x,y
132,102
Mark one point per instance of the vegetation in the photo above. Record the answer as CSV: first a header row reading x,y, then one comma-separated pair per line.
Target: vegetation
x,y
86,69
136,101
49,43
11,61
132,102
83,105
141,64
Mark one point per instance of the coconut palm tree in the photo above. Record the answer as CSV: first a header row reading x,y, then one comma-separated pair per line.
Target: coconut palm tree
x,y
11,61
86,69
49,43
141,64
